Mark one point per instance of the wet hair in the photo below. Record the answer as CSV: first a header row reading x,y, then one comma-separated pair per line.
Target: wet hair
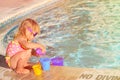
x,y
25,24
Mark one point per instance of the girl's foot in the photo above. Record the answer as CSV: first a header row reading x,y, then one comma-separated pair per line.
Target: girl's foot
x,y
28,66
23,71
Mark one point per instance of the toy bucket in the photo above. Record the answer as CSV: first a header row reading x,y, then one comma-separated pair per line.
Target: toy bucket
x,y
45,62
57,61
37,69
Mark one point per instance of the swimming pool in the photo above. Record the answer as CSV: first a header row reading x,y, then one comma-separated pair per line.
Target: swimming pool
x,y
86,33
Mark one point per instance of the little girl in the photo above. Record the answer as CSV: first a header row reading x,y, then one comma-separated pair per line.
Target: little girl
x,y
19,50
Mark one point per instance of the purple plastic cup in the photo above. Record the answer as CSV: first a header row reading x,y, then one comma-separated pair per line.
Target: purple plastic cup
x,y
57,61
39,51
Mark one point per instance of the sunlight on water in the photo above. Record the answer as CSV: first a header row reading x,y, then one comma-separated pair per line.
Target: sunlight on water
x,y
86,33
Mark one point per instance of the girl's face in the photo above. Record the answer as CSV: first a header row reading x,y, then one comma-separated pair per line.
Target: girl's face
x,y
30,34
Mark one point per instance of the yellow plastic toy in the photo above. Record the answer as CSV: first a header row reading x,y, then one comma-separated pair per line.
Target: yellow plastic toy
x,y
37,69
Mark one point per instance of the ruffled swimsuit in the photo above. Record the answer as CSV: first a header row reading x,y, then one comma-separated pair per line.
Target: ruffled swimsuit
x,y
12,48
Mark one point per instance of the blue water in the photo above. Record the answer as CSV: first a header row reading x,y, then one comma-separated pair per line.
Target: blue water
x,y
85,33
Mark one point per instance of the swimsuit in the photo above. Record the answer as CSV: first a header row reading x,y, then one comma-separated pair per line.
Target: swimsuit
x,y
13,48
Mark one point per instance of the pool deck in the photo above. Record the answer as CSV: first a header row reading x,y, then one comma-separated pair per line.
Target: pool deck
x,y
16,7
13,8
63,73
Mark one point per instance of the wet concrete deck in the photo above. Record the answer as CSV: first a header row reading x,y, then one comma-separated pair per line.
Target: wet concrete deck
x,y
63,73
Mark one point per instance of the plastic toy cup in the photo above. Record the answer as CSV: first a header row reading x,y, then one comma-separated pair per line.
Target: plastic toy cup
x,y
57,61
37,69
45,62
39,51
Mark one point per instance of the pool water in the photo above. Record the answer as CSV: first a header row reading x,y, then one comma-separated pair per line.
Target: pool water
x,y
85,33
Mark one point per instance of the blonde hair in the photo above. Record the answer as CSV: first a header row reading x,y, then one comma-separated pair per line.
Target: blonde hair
x,y
25,24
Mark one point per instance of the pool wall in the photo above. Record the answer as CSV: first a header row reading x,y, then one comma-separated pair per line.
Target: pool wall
x,y
23,11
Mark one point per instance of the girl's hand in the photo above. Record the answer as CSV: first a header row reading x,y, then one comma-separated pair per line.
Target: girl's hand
x,y
40,51
43,50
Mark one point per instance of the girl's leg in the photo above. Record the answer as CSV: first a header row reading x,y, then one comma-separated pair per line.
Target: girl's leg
x,y
19,60
20,67
14,59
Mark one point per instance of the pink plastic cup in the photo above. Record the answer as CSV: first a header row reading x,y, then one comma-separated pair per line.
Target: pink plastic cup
x,y
39,51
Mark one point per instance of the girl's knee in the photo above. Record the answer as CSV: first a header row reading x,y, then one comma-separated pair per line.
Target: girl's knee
x,y
29,51
26,54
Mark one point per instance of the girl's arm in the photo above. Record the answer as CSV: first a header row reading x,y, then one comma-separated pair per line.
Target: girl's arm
x,y
31,45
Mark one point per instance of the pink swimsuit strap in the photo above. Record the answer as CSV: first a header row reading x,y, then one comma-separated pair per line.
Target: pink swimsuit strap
x,y
13,48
